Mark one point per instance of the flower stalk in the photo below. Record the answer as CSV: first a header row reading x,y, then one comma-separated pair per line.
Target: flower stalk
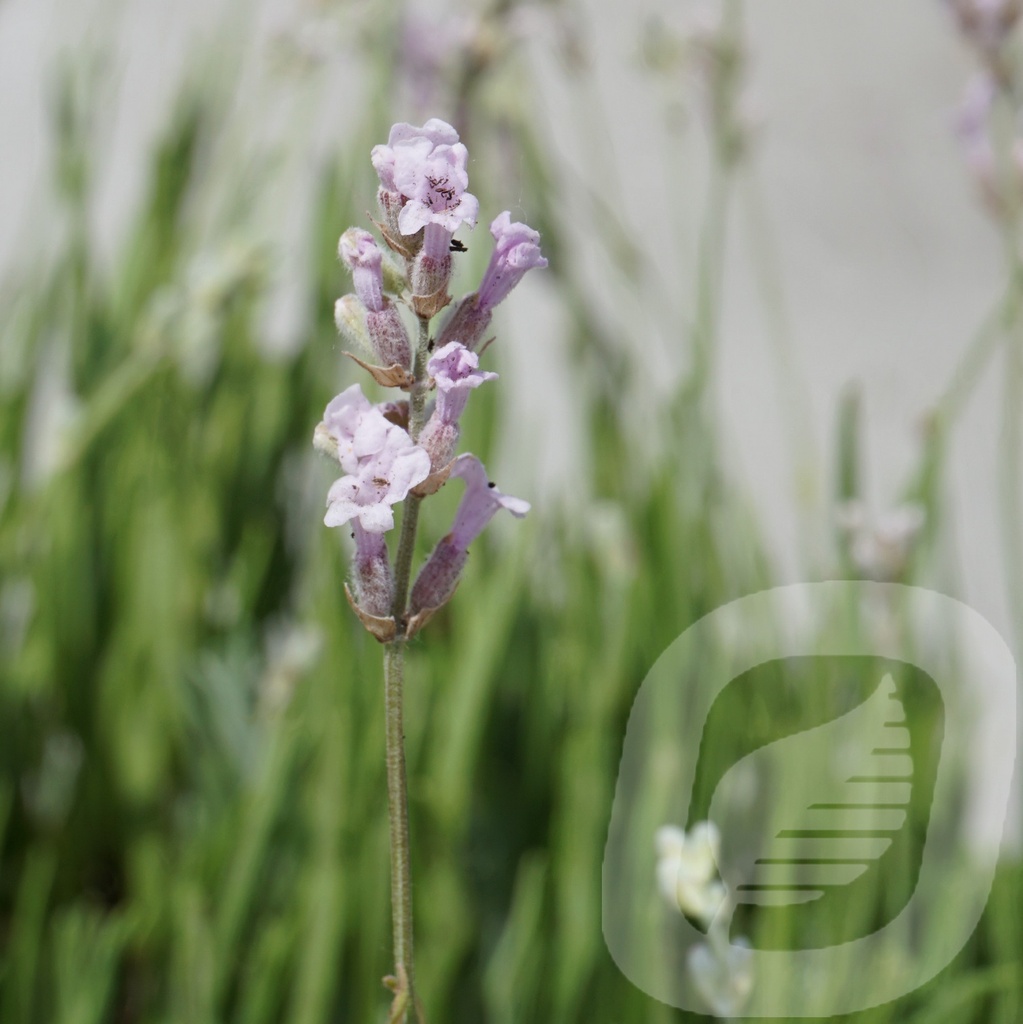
x,y
383,451
394,711
397,807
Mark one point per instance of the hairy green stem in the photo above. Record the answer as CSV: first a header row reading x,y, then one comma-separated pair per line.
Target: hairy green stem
x,y
397,803
394,682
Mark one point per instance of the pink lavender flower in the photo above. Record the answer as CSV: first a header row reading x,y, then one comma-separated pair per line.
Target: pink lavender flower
x,y
439,576
480,502
517,250
427,167
382,480
434,181
455,370
379,457
358,428
435,131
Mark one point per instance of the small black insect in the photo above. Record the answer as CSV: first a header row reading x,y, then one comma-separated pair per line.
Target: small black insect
x,y
430,344
457,246
492,484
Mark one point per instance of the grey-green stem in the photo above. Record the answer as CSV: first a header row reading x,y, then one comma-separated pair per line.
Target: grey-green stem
x,y
394,681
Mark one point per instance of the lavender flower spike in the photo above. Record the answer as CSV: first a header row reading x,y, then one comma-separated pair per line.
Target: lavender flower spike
x,y
439,576
517,250
455,371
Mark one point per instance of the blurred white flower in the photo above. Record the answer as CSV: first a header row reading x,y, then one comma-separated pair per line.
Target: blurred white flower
x,y
722,974
687,869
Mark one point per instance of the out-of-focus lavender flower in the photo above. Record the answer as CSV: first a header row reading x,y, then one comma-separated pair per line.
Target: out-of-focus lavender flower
x,y
455,370
516,250
437,579
382,480
999,191
987,23
430,51
971,125
880,549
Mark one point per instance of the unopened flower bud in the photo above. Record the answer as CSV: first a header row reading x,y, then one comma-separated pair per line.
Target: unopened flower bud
x,y
390,206
431,271
440,439
360,253
466,324
350,318
388,336
438,578
374,582
395,281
